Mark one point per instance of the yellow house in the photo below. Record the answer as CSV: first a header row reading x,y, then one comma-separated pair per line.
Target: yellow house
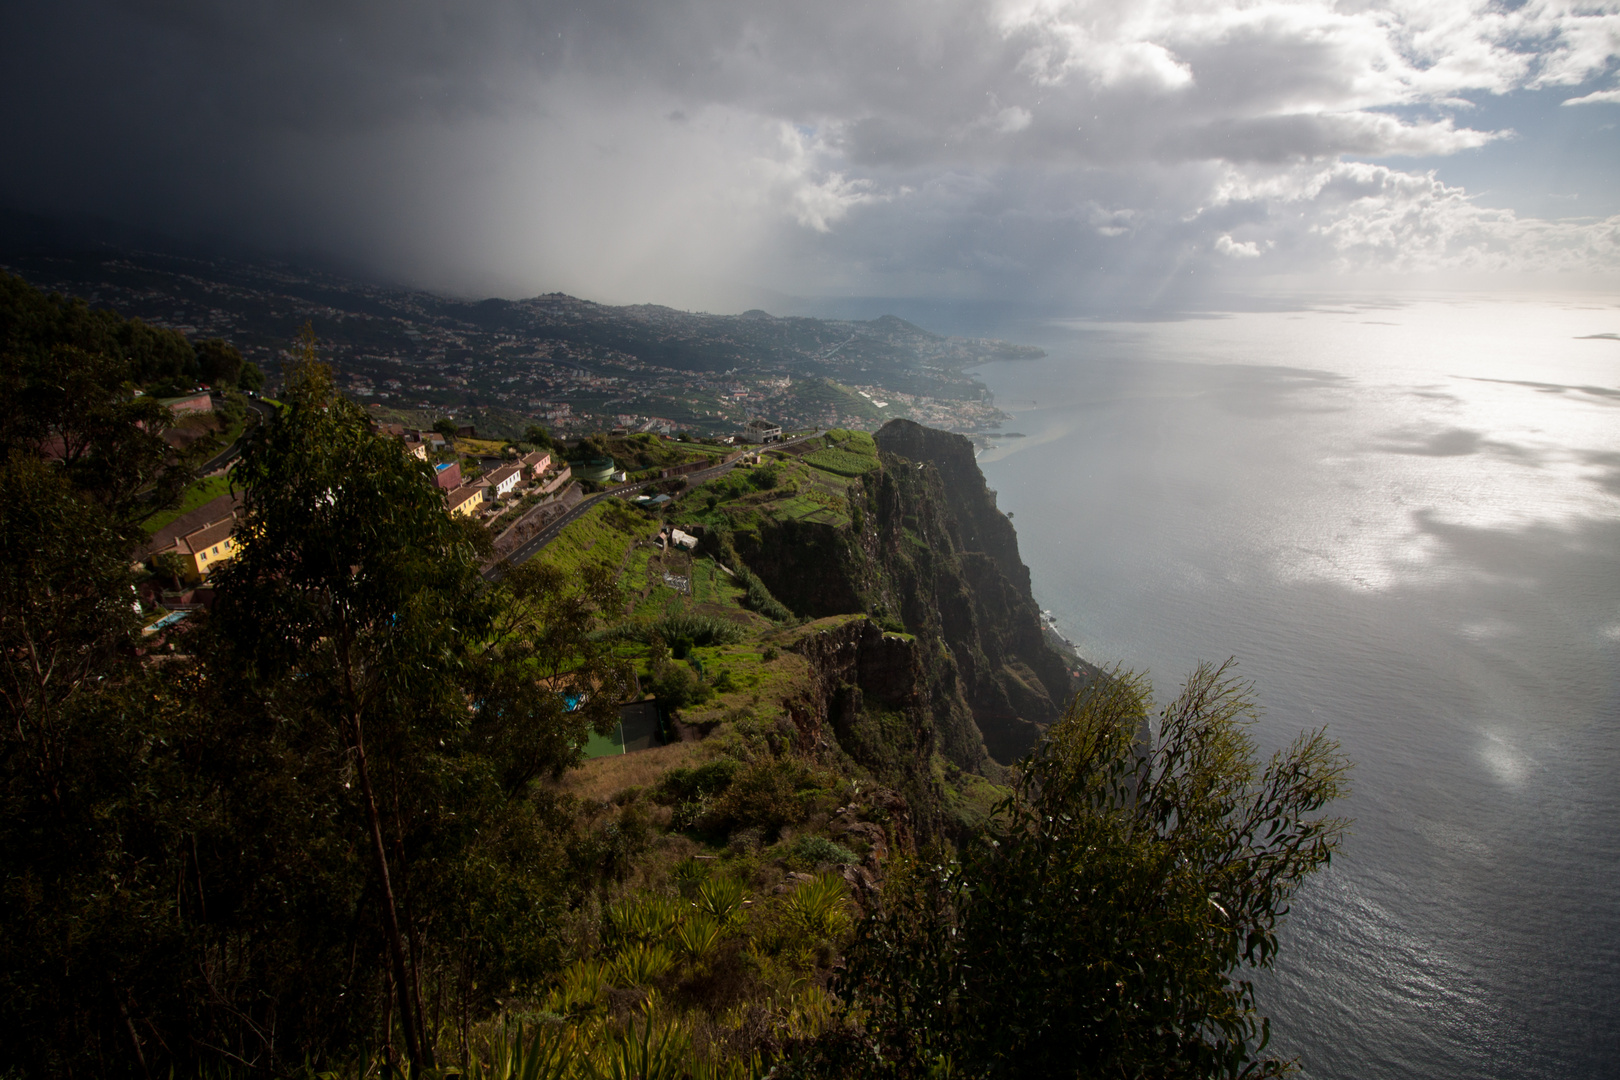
x,y
465,500
207,549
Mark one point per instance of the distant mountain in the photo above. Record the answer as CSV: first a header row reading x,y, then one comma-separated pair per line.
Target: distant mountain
x,y
554,358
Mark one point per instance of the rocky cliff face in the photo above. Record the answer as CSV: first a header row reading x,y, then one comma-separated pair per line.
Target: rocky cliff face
x,y
870,700
929,552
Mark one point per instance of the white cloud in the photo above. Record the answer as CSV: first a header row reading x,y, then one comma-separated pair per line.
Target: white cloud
x,y
1609,97
1233,249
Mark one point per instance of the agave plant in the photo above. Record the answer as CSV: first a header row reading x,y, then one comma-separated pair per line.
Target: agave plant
x,y
580,988
721,899
698,935
530,1052
818,907
644,1052
642,965
644,920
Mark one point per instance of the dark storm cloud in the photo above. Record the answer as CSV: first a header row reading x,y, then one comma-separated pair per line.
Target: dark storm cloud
x,y
668,150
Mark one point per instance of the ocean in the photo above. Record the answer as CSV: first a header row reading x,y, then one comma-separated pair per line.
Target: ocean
x,y
1403,519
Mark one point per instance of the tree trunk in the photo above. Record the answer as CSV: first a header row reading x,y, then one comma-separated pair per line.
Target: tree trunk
x,y
409,1013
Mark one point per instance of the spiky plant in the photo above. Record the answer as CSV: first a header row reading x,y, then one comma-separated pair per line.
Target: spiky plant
x,y
721,899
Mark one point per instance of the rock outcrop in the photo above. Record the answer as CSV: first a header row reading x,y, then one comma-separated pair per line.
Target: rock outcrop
x,y
927,551
869,700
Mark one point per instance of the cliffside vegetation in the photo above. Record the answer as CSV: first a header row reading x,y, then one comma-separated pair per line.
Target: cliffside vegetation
x,y
345,825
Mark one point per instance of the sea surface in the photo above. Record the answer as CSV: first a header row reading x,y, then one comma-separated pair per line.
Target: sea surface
x,y
1403,520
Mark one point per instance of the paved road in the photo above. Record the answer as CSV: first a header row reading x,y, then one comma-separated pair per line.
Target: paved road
x,y
549,533
229,454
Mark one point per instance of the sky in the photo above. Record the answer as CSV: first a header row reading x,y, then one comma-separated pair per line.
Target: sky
x,y
720,154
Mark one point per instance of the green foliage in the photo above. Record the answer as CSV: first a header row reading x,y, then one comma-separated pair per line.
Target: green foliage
x,y
677,687
520,1051
756,596
705,781
645,920
820,908
218,363
303,817
33,325
199,494
1100,930
768,794
250,378
67,376
842,462
697,936
810,851
642,965
644,1053
694,629
721,899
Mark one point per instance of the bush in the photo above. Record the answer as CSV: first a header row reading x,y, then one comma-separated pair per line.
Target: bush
x,y
767,794
808,852
685,785
677,687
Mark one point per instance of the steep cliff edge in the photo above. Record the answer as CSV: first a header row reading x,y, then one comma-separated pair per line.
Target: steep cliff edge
x,y
923,547
1013,680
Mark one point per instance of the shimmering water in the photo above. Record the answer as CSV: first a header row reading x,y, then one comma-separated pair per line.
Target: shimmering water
x,y
1404,521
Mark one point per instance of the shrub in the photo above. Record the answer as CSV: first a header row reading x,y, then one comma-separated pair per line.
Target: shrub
x,y
818,908
685,785
811,851
721,899
677,687
767,794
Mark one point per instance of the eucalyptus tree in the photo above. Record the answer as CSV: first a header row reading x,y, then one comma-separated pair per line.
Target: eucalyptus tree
x,y
357,607
1104,922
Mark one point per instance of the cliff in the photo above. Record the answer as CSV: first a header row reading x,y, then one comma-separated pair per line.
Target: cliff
x,y
923,548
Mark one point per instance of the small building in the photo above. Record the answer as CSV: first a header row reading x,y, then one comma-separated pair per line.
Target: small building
x,y
415,447
534,463
465,500
683,539
206,550
503,480
447,475
762,431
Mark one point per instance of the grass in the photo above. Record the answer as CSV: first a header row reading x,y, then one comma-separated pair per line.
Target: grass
x,y
841,462
480,447
602,535
197,495
604,777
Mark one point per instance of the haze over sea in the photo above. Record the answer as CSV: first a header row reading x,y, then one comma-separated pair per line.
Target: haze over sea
x,y
1403,519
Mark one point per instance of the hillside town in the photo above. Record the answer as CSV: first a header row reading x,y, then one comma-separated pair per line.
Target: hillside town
x,y
513,490
569,364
